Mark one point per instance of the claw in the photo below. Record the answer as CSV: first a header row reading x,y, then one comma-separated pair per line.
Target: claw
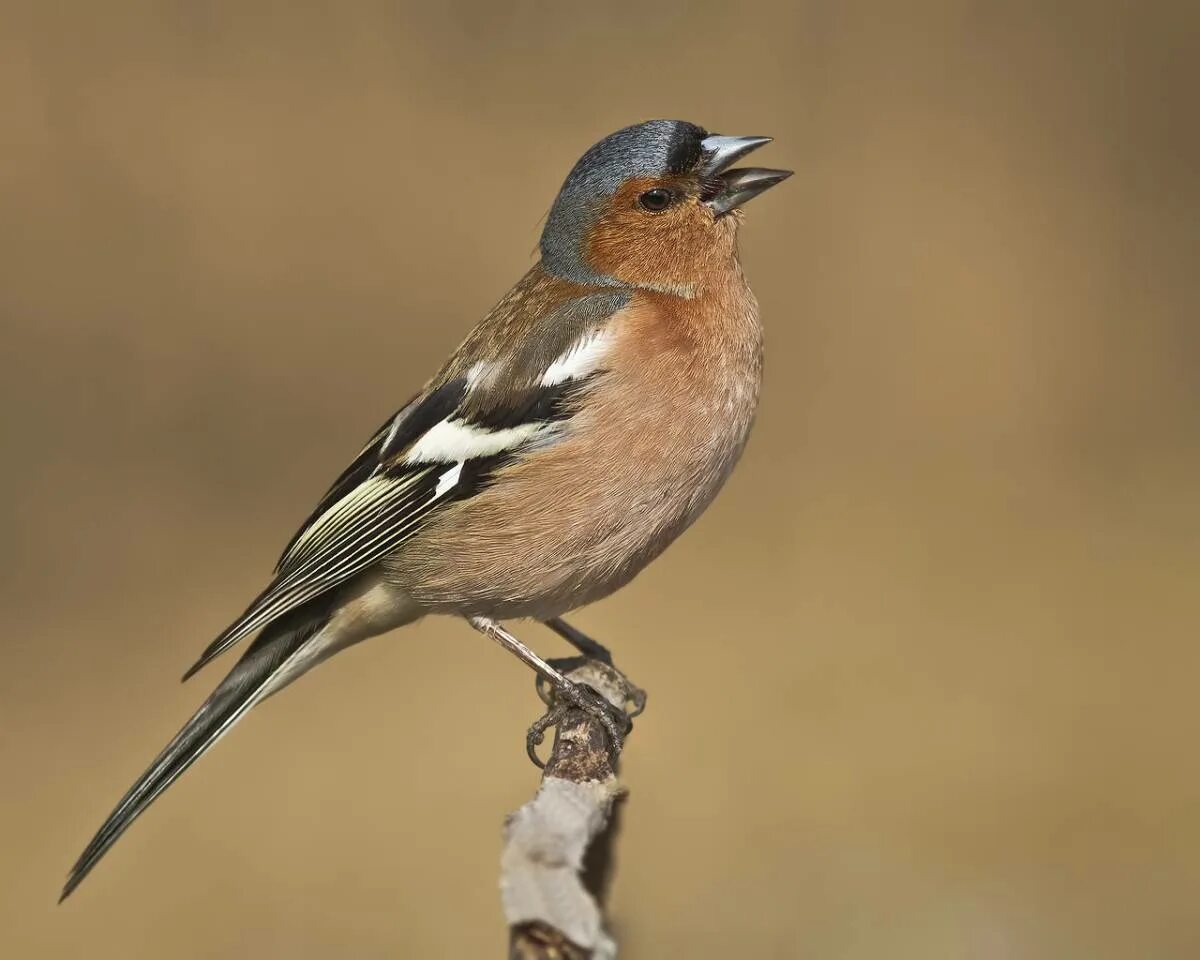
x,y
561,697
593,704
537,732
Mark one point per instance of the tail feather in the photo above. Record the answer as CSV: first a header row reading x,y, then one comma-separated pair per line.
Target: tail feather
x,y
230,635
272,653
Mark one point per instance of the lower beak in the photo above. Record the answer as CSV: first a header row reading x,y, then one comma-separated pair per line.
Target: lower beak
x,y
728,189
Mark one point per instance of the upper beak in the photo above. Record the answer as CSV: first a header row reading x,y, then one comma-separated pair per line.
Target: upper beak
x,y
731,188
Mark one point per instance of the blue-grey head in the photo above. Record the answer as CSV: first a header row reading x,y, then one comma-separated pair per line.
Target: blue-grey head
x,y
650,205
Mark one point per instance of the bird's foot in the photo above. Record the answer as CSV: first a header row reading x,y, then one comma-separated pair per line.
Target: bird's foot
x,y
561,698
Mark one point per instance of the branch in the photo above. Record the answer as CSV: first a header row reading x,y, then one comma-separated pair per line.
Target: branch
x,y
557,858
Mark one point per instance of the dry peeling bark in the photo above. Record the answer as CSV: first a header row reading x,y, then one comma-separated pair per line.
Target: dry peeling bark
x,y
557,853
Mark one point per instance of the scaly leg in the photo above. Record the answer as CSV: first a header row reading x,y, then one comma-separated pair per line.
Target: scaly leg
x,y
566,692
594,650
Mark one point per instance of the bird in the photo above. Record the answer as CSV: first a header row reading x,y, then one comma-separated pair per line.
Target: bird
x,y
582,426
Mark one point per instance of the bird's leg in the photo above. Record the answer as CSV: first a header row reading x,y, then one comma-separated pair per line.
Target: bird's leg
x,y
566,693
580,640
593,650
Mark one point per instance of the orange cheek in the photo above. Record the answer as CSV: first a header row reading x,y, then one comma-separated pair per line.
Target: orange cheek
x,y
641,248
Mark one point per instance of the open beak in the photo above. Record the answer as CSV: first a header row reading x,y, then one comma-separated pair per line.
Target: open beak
x,y
728,189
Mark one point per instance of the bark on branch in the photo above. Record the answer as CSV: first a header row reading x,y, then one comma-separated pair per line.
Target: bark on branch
x,y
558,847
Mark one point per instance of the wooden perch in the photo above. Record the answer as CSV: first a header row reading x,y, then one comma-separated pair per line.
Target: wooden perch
x,y
557,857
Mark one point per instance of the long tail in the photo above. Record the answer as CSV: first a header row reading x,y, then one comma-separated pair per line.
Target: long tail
x,y
274,655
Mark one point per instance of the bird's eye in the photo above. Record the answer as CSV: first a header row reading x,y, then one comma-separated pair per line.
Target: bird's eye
x,y
656,200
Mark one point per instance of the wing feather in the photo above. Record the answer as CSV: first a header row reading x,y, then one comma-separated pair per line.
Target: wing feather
x,y
442,446
380,515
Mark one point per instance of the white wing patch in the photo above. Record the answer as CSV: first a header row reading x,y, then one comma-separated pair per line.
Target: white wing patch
x,y
448,480
453,441
449,441
583,356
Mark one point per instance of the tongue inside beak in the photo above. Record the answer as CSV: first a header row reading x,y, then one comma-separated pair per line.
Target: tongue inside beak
x,y
729,189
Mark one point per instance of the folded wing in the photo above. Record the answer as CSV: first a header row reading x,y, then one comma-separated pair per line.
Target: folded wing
x,y
442,446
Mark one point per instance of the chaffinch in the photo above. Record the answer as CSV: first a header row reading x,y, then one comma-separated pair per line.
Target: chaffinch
x,y
579,429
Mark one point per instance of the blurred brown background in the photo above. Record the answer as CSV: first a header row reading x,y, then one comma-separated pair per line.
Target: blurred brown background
x,y
923,680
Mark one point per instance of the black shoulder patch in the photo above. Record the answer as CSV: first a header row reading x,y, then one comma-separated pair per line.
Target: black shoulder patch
x,y
436,405
539,404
